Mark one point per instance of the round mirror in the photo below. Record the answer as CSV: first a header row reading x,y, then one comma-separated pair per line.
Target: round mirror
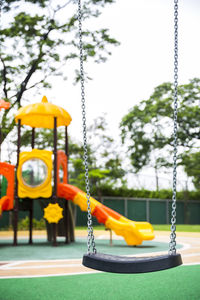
x,y
34,172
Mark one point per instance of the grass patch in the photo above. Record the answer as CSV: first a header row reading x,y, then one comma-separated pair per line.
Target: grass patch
x,y
96,227
162,227
40,225
179,227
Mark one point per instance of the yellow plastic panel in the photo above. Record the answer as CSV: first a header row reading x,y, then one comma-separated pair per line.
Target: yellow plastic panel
x,y
81,200
34,174
41,115
128,230
53,213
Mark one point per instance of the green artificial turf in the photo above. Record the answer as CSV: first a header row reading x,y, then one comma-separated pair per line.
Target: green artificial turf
x,y
179,228
159,227
182,283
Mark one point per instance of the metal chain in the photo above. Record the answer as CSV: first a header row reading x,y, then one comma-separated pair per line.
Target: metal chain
x,y
90,239
172,245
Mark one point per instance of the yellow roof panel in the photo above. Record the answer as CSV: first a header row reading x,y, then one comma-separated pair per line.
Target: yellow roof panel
x,y
41,115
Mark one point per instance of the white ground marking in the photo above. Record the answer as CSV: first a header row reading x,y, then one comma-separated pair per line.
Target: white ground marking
x,y
7,267
15,265
50,275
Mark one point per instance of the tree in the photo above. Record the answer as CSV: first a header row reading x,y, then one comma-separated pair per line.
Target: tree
x,y
38,37
105,164
192,167
44,138
148,127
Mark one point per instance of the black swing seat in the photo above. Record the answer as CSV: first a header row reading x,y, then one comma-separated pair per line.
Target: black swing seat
x,y
124,264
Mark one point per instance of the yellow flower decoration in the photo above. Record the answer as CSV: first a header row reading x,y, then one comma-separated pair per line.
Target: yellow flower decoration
x,y
53,213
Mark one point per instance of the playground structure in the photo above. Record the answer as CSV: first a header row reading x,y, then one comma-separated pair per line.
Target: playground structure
x,y
8,171
34,180
7,201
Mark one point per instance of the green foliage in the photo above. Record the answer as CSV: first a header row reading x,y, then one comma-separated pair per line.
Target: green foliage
x,y
32,39
7,5
192,167
37,224
105,165
148,127
43,138
144,193
3,185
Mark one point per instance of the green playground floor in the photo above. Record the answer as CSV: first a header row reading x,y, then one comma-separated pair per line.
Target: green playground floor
x,y
42,250
182,283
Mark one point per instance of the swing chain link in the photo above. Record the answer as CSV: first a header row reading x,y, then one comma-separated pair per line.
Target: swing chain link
x,y
172,245
90,239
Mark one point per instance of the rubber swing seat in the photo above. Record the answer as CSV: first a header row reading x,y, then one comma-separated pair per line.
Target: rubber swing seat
x,y
123,264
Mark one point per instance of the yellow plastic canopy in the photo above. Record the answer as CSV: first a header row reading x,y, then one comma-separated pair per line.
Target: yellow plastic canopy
x,y
41,115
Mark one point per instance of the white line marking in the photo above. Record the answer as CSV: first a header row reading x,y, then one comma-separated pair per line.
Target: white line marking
x,y
51,275
185,246
40,267
72,274
10,265
191,254
42,260
191,264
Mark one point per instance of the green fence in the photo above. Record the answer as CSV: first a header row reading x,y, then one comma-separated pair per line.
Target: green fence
x,y
155,211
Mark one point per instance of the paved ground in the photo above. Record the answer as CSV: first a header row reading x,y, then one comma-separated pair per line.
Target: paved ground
x,y
190,252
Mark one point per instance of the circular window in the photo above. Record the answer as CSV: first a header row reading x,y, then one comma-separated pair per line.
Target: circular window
x,y
34,172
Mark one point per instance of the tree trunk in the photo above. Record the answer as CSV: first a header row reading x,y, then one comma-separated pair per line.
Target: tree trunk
x,y
157,179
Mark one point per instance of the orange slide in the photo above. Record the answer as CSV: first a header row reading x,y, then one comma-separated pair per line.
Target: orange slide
x,y
6,202
134,233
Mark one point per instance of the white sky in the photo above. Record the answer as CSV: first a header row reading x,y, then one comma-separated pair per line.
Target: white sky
x,y
142,61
